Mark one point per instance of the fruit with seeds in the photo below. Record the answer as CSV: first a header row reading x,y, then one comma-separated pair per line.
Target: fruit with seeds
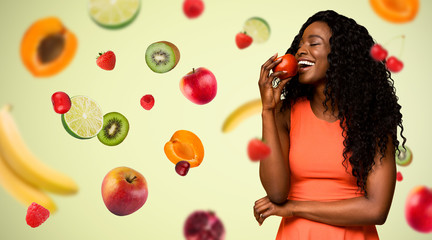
x,y
399,176
84,119
47,47
243,40
182,168
185,146
257,150
147,101
399,11
113,14
258,29
403,157
162,56
115,129
124,191
61,102
203,225
393,64
36,215
193,8
199,86
288,64
418,209
106,60
378,52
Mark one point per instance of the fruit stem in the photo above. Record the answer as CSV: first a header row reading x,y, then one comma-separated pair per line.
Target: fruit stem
x,y
403,43
130,180
193,70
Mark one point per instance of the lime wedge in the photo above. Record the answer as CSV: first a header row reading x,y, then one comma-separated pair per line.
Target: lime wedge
x,y
113,13
258,29
84,119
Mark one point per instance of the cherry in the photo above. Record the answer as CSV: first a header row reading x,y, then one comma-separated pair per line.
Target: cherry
x,y
61,102
182,168
378,52
393,64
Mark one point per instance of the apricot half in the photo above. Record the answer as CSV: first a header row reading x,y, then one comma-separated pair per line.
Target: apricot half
x,y
185,146
397,11
47,47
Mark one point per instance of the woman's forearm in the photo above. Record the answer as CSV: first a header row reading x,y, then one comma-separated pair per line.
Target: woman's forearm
x,y
350,212
274,172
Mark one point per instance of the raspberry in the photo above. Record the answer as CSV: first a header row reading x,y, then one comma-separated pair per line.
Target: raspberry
x,y
147,101
36,215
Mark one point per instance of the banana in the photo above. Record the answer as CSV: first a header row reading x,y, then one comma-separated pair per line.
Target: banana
x,y
22,161
241,113
23,192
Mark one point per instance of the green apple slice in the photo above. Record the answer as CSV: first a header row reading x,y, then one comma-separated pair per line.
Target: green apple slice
x,y
258,29
113,13
403,157
84,119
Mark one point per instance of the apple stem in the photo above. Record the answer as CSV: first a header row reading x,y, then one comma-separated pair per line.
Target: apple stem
x,y
130,180
193,70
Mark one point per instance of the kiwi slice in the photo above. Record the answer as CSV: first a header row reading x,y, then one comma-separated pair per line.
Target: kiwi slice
x,y
403,157
162,56
114,130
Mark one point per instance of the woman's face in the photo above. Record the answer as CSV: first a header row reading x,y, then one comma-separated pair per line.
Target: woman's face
x,y
312,53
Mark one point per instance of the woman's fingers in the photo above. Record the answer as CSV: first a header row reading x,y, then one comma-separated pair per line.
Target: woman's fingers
x,y
268,65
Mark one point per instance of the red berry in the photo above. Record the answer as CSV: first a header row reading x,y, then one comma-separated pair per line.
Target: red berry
x,y
243,40
61,102
258,150
399,176
378,52
182,168
393,64
147,101
106,60
36,215
193,8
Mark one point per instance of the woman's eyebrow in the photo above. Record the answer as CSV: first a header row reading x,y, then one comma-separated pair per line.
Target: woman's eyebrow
x,y
315,36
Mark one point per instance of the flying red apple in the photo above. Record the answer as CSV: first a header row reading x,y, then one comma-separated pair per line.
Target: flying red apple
x,y
124,191
199,86
418,209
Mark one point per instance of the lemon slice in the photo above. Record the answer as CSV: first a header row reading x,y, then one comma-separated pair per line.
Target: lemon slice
x,y
258,29
84,119
113,13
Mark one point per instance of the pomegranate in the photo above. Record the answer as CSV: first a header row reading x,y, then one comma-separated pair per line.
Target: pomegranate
x,y
203,225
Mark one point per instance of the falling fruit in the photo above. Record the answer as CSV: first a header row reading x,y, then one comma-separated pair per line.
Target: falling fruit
x,y
396,11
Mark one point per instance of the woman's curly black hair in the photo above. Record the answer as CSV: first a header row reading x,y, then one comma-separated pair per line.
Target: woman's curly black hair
x,y
360,87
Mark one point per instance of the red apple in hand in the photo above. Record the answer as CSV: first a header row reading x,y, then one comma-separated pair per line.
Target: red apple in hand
x,y
289,64
199,86
393,64
124,191
418,209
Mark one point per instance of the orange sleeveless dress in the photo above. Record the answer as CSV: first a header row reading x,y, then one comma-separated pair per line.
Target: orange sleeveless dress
x,y
317,174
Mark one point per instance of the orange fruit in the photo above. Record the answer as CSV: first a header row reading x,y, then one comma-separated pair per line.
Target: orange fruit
x,y
185,146
397,11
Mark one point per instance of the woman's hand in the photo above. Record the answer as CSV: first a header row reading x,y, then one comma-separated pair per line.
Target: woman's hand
x,y
264,208
270,95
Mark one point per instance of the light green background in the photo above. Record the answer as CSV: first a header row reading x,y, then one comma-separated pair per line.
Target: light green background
x,y
226,182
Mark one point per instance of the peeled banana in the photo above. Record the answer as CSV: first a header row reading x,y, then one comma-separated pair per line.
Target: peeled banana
x,y
21,160
22,191
241,113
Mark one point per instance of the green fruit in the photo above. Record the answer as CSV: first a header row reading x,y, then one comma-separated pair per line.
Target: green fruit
x,y
113,13
115,129
258,29
162,56
403,158
84,119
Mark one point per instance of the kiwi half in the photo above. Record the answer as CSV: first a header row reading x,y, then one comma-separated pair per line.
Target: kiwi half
x,y
114,130
403,157
162,56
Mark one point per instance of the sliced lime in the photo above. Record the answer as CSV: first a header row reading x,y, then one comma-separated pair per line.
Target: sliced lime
x,y
84,119
258,29
113,13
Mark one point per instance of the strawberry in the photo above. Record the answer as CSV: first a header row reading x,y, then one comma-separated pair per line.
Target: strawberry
x,y
243,40
106,60
147,101
36,215
258,150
